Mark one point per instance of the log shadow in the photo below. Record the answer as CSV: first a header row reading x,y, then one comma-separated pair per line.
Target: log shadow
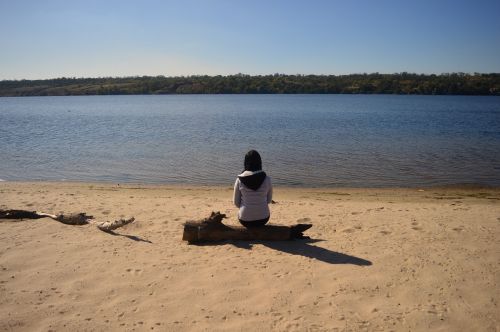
x,y
304,248
131,237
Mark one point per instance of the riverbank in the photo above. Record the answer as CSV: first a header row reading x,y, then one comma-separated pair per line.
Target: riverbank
x,y
398,83
378,259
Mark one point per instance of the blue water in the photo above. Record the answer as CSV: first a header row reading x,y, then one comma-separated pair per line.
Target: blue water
x,y
305,140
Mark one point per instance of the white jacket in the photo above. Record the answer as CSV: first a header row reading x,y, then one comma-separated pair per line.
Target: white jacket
x,y
253,204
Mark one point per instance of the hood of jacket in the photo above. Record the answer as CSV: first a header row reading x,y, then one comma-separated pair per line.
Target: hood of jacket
x,y
252,180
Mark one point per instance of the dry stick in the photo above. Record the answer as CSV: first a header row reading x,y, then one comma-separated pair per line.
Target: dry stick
x,y
109,226
69,219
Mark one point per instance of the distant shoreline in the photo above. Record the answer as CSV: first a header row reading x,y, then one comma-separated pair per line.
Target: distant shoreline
x,y
399,83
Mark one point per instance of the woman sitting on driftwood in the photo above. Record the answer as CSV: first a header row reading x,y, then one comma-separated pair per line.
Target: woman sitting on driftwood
x,y
253,192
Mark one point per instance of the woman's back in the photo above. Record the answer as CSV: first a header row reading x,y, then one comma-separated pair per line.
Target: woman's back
x,y
253,193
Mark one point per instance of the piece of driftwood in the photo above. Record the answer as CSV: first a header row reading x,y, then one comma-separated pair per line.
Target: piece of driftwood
x,y
109,226
212,229
23,214
73,219
68,219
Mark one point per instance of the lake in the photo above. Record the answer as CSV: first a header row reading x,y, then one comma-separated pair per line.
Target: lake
x,y
304,140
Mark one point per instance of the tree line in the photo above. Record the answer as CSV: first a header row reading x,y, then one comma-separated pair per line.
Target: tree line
x,y
375,83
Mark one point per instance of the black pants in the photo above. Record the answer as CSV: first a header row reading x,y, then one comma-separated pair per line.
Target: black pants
x,y
254,223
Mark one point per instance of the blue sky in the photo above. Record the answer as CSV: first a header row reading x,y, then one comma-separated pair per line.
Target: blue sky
x,y
55,38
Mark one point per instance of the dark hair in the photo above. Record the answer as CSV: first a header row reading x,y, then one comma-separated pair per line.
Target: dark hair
x,y
253,162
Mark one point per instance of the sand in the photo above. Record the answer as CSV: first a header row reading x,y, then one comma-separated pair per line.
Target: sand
x,y
378,260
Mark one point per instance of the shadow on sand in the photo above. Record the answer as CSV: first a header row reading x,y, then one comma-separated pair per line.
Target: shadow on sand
x,y
301,248
132,237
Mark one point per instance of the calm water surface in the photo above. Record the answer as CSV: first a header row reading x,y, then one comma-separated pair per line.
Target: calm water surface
x,y
305,140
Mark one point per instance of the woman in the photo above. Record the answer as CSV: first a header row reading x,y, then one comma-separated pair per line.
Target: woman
x,y
253,192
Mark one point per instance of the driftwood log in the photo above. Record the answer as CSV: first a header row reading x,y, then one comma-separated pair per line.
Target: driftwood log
x,y
212,229
68,219
109,226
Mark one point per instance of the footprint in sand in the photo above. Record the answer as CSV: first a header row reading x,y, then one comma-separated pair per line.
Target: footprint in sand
x,y
301,220
415,226
134,271
385,232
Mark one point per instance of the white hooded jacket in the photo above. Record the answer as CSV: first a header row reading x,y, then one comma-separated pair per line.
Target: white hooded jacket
x,y
253,203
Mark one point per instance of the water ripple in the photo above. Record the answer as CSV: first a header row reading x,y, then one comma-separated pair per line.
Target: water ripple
x,y
305,140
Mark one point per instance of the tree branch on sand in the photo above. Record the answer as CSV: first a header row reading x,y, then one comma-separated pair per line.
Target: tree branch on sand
x,y
109,226
212,229
68,219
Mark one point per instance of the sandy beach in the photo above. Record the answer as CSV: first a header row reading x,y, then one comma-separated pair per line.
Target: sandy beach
x,y
378,260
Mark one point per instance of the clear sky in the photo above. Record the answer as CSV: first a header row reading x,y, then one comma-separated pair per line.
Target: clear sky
x,y
92,38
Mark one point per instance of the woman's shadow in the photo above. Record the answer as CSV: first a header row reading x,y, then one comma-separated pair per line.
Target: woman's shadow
x,y
304,248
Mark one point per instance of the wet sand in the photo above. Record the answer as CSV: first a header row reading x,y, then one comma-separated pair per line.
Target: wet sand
x,y
378,259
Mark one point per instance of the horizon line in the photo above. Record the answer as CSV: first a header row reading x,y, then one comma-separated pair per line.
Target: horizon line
x,y
250,75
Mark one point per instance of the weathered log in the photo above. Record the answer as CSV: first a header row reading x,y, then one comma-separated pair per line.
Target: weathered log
x,y
23,214
68,219
212,229
109,226
73,219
